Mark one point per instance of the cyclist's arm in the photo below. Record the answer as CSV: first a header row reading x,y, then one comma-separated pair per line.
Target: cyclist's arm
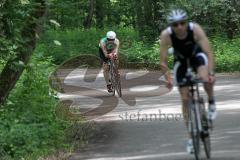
x,y
203,42
117,46
165,42
102,45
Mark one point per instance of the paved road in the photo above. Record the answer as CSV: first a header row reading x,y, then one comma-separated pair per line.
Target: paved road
x,y
153,128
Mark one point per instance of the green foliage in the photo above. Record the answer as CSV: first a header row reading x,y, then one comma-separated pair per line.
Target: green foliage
x,y
7,48
78,41
141,52
69,13
13,16
27,121
215,16
149,17
227,54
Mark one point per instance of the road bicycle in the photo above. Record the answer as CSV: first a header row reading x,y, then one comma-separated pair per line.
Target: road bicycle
x,y
199,125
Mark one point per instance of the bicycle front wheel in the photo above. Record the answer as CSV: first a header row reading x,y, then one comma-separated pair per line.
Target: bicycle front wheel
x,y
205,132
207,146
118,86
194,129
113,80
117,81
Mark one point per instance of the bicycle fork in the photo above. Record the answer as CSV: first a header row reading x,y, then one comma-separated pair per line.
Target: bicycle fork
x,y
196,109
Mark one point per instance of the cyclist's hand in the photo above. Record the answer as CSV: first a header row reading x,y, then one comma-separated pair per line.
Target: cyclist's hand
x,y
113,55
107,55
169,83
211,79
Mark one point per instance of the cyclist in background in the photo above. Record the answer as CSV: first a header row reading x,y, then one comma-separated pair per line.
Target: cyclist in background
x,y
108,47
189,41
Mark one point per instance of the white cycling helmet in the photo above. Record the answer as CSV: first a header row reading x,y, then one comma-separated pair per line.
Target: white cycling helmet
x,y
111,35
176,15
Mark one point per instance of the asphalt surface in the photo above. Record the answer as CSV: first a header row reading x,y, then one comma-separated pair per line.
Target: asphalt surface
x,y
151,127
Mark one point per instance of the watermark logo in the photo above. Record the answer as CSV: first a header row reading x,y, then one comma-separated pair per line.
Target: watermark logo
x,y
80,78
141,116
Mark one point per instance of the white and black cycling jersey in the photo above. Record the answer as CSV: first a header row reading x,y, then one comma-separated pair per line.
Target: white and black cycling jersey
x,y
184,48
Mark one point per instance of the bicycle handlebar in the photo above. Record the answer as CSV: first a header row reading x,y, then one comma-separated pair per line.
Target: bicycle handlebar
x,y
191,79
192,82
112,55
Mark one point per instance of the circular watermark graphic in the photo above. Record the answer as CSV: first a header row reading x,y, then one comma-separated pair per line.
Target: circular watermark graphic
x,y
81,86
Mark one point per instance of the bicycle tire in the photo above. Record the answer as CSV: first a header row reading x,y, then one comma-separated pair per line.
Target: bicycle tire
x,y
118,86
205,132
112,79
207,146
116,79
195,134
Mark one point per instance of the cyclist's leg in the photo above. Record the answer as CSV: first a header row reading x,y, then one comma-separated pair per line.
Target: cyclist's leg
x,y
201,62
185,105
180,69
105,66
185,101
106,72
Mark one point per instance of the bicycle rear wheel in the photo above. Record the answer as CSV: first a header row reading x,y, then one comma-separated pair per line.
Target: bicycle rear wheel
x,y
194,129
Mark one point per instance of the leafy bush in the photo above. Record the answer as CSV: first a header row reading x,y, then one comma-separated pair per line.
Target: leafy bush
x,y
145,53
27,121
227,54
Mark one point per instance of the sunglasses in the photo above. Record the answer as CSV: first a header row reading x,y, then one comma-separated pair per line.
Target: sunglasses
x,y
110,39
176,24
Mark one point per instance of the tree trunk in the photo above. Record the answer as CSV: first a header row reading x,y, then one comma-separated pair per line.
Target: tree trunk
x,y
158,18
232,24
11,72
99,13
140,18
148,14
88,21
231,29
150,29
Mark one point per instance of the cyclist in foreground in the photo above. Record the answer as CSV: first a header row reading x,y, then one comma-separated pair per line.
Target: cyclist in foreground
x,y
189,41
108,47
